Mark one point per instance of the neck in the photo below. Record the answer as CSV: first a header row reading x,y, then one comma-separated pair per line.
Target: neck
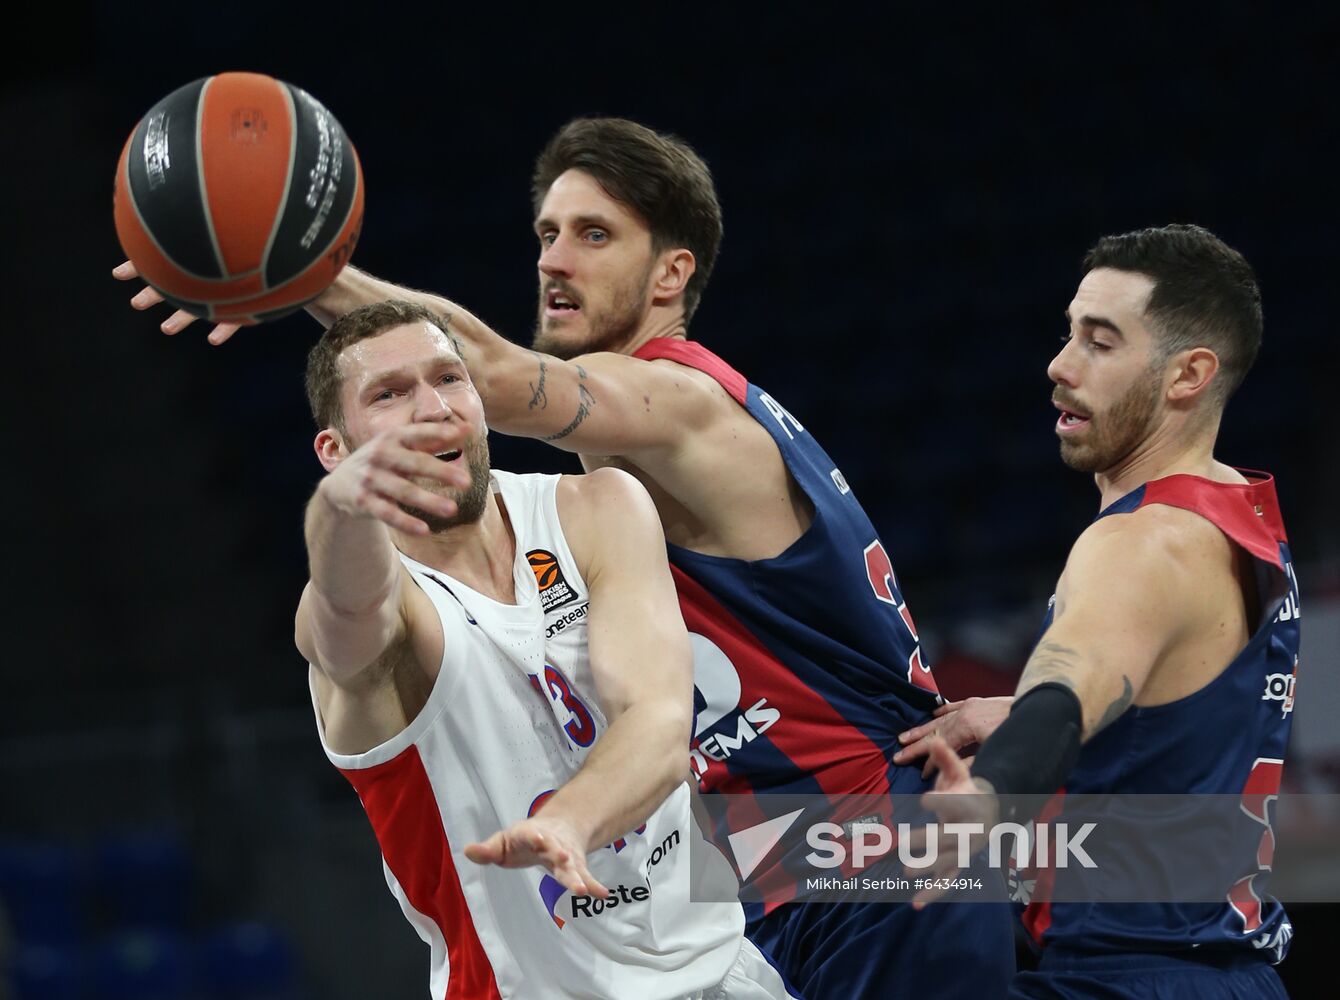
x,y
479,555
1168,451
660,322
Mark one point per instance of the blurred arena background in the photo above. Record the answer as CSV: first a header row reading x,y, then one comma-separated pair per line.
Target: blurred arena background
x,y
907,198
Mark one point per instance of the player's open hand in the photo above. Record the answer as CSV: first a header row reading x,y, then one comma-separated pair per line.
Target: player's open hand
x,y
964,725
147,298
956,798
398,467
540,840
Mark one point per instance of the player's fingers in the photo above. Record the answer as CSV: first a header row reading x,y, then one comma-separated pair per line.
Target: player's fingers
x,y
946,708
177,322
398,490
916,733
487,852
914,751
431,436
392,516
593,885
567,873
125,271
950,766
221,333
145,298
409,463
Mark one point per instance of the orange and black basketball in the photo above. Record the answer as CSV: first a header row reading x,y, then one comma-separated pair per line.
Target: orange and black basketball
x,y
239,198
544,566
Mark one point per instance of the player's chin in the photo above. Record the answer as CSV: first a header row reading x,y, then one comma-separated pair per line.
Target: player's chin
x,y
1080,458
563,337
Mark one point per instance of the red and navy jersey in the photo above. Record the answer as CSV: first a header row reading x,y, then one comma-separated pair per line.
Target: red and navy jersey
x,y
806,665
1228,738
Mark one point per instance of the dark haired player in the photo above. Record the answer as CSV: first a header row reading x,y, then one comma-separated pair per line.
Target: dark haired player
x,y
1167,659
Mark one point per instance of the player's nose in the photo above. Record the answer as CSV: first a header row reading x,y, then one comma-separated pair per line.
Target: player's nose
x,y
1061,370
556,259
429,404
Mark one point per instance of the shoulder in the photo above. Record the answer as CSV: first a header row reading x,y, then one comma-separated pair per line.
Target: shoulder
x,y
669,378
605,512
1160,552
605,491
1156,532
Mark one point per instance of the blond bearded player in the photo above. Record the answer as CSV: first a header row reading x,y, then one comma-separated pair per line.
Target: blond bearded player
x,y
500,670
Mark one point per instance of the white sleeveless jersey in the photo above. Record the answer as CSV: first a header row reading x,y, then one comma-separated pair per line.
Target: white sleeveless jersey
x,y
511,717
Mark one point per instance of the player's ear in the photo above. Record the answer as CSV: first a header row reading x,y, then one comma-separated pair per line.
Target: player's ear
x,y
674,269
329,448
1193,371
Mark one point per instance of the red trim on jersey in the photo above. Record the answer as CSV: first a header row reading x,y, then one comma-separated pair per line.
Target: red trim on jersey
x,y
399,801
1248,513
1037,917
686,352
811,733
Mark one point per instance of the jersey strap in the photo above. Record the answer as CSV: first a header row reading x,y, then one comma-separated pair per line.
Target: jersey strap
x,y
691,355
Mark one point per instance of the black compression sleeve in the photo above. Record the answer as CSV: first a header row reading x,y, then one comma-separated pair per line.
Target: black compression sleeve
x,y
1033,750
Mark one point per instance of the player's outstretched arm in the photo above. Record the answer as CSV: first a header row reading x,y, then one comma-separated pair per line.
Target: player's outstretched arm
x,y
642,663
351,610
600,404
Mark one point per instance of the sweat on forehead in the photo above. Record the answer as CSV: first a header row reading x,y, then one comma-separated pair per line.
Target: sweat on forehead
x,y
399,346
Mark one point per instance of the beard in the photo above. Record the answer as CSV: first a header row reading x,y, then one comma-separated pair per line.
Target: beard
x,y
607,328
1118,431
470,502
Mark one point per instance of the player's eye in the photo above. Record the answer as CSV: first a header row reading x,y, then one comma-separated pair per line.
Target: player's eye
x,y
597,236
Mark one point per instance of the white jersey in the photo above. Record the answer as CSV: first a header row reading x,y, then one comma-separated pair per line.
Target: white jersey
x,y
511,717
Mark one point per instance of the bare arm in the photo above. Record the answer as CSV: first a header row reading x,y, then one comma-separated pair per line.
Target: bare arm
x,y
642,663
640,658
352,609
601,404
1124,599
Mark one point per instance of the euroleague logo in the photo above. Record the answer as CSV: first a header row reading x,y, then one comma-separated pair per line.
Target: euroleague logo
x,y
554,590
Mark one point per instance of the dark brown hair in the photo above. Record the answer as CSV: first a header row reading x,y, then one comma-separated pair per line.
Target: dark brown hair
x,y
658,176
324,380
1205,294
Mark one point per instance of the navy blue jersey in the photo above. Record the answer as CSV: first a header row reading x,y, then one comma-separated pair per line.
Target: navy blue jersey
x,y
1228,738
807,665
806,668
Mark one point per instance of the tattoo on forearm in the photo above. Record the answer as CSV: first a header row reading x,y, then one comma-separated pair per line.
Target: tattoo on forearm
x,y
1051,663
584,403
538,396
1119,705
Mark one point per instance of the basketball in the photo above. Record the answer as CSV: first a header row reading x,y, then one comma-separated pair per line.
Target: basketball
x,y
239,198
